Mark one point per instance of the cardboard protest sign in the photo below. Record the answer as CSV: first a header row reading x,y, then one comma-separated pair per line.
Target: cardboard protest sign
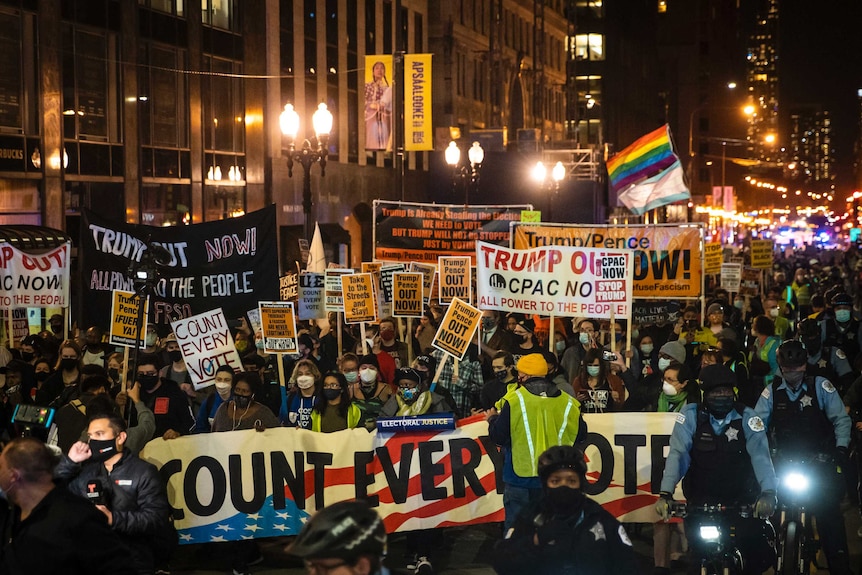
x,y
750,285
712,257
386,280
332,289
288,287
457,328
206,343
360,298
762,254
278,326
558,280
454,278
407,294
124,320
731,277
309,304
428,272
34,279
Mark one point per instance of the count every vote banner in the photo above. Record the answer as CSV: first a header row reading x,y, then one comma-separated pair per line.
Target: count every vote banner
x,y
555,280
248,484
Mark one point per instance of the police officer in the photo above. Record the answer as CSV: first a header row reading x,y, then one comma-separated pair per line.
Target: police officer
x,y
827,361
841,329
807,420
720,451
565,531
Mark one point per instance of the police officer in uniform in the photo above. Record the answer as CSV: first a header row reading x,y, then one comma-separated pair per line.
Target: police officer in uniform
x,y
841,329
826,361
807,421
721,452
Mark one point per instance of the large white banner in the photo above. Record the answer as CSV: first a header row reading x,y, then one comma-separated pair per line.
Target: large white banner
x,y
34,279
206,343
240,484
555,280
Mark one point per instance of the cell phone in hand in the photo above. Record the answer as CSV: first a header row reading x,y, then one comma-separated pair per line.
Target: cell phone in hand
x,y
609,355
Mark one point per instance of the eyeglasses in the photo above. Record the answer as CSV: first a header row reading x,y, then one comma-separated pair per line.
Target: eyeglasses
x,y
319,569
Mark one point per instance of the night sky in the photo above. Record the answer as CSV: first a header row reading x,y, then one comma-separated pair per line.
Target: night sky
x,y
820,61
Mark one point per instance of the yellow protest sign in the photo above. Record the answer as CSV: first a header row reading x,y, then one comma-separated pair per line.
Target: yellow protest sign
x,y
359,298
371,267
454,278
124,319
667,258
278,324
428,272
531,216
761,254
712,257
457,328
407,294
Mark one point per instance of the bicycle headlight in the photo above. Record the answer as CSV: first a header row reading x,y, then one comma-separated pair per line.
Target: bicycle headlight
x,y
796,481
709,532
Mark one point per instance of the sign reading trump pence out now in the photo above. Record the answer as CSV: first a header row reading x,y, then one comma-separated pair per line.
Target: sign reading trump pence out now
x,y
457,328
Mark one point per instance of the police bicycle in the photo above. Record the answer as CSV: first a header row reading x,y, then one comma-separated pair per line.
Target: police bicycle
x,y
714,535
797,546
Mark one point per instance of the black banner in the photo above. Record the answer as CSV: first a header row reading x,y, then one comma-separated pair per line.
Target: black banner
x,y
405,232
231,264
650,312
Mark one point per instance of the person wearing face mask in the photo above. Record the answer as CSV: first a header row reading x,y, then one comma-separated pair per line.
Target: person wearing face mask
x,y
533,417
71,419
345,538
95,351
622,348
492,339
42,371
503,381
808,422
762,361
241,411
164,398
649,355
803,290
55,531
296,409
177,371
827,361
720,450
586,332
564,531
67,374
842,330
368,392
390,344
414,397
598,389
222,389
135,499
775,311
30,349
643,392
334,411
526,342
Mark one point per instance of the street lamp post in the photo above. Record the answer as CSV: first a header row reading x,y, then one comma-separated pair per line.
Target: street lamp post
x,y
312,152
475,156
558,174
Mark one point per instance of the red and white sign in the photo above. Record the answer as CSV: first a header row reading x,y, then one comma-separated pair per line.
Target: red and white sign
x,y
34,279
558,280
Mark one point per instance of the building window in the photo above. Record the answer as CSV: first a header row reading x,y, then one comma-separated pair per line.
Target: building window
x,y
162,97
223,106
589,47
174,7
90,85
11,79
165,204
220,14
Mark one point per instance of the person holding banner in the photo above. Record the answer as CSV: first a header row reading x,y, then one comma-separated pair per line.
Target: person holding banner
x,y
166,400
369,393
334,411
564,531
533,417
224,377
414,397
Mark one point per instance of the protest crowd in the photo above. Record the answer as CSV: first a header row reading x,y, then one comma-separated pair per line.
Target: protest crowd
x,y
767,366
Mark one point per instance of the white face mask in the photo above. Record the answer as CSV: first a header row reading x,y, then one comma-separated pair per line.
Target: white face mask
x,y
368,375
663,363
668,389
304,381
773,312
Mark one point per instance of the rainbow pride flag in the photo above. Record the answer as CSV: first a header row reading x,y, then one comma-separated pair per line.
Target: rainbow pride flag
x,y
646,157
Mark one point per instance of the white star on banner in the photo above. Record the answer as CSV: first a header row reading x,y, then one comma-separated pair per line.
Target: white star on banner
x,y
283,515
224,528
186,536
253,527
280,527
217,538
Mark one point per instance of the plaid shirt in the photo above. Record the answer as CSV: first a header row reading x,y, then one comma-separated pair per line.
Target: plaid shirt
x,y
466,387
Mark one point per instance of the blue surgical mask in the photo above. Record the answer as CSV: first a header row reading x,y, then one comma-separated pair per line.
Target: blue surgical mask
x,y
584,338
647,348
560,346
738,303
663,363
842,315
593,370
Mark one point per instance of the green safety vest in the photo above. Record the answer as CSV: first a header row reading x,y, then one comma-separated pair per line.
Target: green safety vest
x,y
354,414
538,423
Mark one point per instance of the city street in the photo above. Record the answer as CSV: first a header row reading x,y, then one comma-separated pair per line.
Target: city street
x,y
467,551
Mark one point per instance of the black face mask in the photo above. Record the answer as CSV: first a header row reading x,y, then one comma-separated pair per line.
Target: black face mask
x,y
114,374
242,401
42,375
565,500
719,406
793,378
27,355
148,382
68,364
175,355
331,394
102,449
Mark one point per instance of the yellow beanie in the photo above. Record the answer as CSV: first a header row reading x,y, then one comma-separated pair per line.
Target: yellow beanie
x,y
533,364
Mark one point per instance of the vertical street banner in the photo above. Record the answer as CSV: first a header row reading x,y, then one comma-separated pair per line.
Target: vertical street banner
x,y
309,304
457,328
377,119
124,319
405,232
667,260
555,280
713,254
35,279
206,343
407,300
762,254
360,298
418,129
333,300
454,279
278,325
230,264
